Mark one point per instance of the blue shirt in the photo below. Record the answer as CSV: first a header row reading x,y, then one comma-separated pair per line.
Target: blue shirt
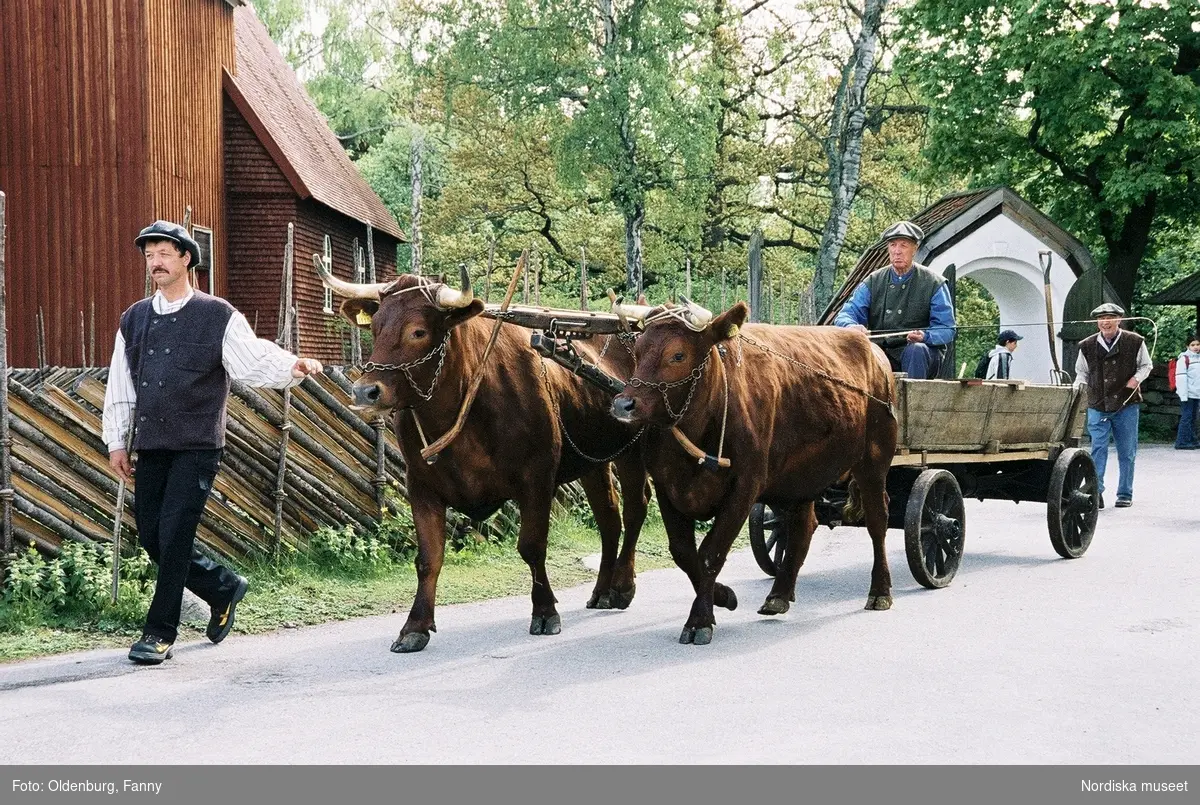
x,y
941,312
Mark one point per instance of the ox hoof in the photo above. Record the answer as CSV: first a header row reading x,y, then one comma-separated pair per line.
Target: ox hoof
x,y
600,600
545,624
408,643
879,602
774,605
699,636
621,599
725,597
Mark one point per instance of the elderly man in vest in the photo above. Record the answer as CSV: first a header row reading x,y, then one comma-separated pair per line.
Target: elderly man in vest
x,y
172,362
1112,365
907,301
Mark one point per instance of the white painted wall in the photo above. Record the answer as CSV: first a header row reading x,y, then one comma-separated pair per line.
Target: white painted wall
x,y
1002,256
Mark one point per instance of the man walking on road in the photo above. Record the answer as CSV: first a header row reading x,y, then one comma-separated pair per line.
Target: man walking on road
x,y
1112,365
172,362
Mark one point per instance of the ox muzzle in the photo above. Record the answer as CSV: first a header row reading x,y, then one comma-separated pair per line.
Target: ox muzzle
x,y
367,396
623,407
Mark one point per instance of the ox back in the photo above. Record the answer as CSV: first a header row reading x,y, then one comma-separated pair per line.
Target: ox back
x,y
805,407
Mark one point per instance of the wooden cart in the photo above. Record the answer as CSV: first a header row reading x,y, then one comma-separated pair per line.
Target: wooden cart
x,y
1000,440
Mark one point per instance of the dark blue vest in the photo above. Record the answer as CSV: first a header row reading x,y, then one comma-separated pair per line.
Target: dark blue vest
x,y
175,362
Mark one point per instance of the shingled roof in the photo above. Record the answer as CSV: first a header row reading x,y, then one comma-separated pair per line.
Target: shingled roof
x,y
271,98
953,217
1184,292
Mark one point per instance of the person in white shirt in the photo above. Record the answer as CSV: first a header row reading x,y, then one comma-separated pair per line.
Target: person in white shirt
x,y
1000,358
1111,365
1187,388
173,358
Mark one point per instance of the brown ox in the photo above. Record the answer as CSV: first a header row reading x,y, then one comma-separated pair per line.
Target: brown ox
x,y
798,407
533,426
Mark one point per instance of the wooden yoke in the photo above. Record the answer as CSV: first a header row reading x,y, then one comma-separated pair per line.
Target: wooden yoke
x,y
430,453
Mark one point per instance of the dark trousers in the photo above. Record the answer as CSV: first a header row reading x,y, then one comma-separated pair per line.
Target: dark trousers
x,y
172,488
1186,435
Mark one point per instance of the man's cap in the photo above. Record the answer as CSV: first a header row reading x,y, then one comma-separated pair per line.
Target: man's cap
x,y
1008,335
903,229
166,230
1109,309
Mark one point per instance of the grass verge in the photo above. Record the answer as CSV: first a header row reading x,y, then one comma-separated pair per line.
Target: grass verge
x,y
303,593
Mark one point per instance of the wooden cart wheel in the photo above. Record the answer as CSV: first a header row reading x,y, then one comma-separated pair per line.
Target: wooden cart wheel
x,y
935,527
766,538
1072,503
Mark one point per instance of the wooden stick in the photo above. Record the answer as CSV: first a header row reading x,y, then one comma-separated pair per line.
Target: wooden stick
x,y
430,453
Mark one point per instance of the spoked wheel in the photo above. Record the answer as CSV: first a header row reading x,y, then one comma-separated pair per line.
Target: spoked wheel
x,y
935,527
1072,503
767,538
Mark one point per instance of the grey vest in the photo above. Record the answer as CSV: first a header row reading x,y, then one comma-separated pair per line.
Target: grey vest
x,y
175,362
903,305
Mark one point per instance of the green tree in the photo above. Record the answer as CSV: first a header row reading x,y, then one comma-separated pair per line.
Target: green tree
x,y
1091,108
620,75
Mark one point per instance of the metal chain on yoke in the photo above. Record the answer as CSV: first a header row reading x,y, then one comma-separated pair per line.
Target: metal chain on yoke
x,y
439,350
567,436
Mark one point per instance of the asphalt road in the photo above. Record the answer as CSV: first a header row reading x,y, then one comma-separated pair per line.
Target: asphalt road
x,y
1025,658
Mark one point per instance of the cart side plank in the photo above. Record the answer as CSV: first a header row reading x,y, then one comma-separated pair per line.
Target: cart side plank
x,y
939,416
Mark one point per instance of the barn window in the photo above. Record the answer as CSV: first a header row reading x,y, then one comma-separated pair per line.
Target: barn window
x,y
206,279
327,304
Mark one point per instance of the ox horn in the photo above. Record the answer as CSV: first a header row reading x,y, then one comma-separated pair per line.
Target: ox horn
x,y
447,297
700,316
350,290
636,313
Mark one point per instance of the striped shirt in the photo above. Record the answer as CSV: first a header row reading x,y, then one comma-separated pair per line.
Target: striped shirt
x,y
246,358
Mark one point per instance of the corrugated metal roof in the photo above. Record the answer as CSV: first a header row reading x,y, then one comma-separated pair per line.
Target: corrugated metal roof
x,y
1184,292
953,217
316,163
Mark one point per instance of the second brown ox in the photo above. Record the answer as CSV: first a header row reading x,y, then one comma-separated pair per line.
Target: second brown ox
x,y
532,427
793,409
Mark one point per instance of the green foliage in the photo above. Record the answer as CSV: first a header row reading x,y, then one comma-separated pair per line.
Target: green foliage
x,y
347,550
76,585
1090,108
978,319
1176,255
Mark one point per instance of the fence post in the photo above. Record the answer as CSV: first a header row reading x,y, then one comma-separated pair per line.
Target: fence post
x,y
355,333
370,253
284,339
754,289
6,491
583,296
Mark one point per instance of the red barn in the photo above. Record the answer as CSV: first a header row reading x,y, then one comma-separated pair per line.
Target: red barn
x,y
116,112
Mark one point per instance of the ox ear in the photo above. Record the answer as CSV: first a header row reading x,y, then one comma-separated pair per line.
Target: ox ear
x,y
359,311
726,325
458,315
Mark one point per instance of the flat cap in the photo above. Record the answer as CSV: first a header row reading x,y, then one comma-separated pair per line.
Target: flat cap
x,y
166,230
1008,335
904,229
1109,309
